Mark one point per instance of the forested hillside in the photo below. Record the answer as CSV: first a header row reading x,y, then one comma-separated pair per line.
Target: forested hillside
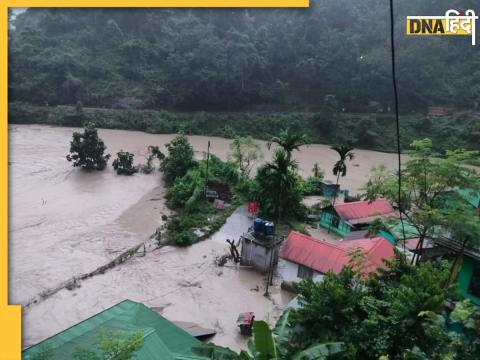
x,y
331,58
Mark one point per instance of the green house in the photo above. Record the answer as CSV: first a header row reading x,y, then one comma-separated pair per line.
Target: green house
x,y
468,278
471,196
394,232
346,217
162,339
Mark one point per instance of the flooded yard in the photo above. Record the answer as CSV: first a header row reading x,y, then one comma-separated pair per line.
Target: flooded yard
x,y
64,222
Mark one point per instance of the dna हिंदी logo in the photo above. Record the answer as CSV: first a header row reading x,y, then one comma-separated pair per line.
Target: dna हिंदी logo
x,y
453,23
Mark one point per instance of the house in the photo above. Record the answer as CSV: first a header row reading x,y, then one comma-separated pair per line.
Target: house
x,y
471,196
303,256
437,111
259,250
395,233
343,218
161,338
468,278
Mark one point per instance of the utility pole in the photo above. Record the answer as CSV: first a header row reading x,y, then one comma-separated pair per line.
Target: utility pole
x,y
270,268
206,175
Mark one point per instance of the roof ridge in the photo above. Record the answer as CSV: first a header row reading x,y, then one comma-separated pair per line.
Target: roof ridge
x,y
82,321
318,241
361,201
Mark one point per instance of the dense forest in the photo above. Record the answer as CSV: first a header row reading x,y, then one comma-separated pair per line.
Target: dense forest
x,y
330,59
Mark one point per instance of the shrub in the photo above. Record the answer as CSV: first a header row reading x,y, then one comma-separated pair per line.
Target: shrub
x,y
123,164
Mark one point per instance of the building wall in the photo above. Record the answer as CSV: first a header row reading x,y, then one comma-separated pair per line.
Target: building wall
x,y
288,271
386,234
258,256
326,219
464,278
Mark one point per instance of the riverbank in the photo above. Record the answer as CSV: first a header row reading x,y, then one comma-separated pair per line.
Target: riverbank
x,y
373,131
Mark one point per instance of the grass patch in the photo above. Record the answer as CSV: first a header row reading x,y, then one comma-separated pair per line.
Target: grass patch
x,y
186,228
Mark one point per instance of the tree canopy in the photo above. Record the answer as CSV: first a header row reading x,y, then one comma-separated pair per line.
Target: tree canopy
x,y
87,149
334,55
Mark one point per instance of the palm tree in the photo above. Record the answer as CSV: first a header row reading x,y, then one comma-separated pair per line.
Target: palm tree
x,y
345,153
288,141
276,180
340,167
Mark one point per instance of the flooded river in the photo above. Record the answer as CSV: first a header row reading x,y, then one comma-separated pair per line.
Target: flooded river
x,y
64,222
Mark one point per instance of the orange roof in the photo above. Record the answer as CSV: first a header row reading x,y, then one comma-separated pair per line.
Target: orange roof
x,y
364,211
323,256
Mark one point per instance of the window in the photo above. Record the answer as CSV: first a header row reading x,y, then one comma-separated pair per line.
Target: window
x,y
474,288
304,272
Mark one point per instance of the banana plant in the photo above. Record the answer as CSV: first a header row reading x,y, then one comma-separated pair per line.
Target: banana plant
x,y
271,345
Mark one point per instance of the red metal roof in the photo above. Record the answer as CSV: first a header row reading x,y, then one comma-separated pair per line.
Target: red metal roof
x,y
364,211
323,256
437,110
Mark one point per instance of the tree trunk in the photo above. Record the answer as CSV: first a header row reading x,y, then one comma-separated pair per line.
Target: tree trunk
x,y
457,263
418,249
333,202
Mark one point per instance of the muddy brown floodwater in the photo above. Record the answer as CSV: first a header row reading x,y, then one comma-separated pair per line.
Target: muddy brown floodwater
x,y
64,222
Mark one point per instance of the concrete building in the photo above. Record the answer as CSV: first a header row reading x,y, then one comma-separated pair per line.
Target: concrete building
x,y
260,251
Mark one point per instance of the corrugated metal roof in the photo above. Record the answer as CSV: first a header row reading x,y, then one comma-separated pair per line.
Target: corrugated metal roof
x,y
364,211
323,256
162,339
471,196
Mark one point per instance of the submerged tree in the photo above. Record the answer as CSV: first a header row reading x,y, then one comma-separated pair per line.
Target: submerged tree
x,y
87,149
153,152
179,159
123,164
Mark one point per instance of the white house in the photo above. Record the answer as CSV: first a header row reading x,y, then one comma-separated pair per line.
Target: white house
x,y
302,256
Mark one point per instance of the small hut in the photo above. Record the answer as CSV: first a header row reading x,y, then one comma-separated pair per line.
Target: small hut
x,y
329,189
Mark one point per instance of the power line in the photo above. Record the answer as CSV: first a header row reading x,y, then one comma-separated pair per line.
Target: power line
x,y
397,120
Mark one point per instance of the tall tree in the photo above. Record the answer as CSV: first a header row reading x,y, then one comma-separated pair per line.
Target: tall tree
x,y
428,184
178,160
278,185
374,316
345,154
244,151
288,141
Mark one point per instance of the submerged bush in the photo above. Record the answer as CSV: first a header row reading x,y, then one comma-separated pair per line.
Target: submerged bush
x,y
123,164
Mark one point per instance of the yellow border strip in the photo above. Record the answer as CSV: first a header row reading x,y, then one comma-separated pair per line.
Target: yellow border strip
x,y
10,315
159,3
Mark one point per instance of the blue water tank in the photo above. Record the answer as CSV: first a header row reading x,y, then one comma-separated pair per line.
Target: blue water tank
x,y
269,229
258,225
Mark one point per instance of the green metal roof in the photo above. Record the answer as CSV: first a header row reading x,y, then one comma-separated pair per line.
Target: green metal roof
x,y
397,231
471,196
162,339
